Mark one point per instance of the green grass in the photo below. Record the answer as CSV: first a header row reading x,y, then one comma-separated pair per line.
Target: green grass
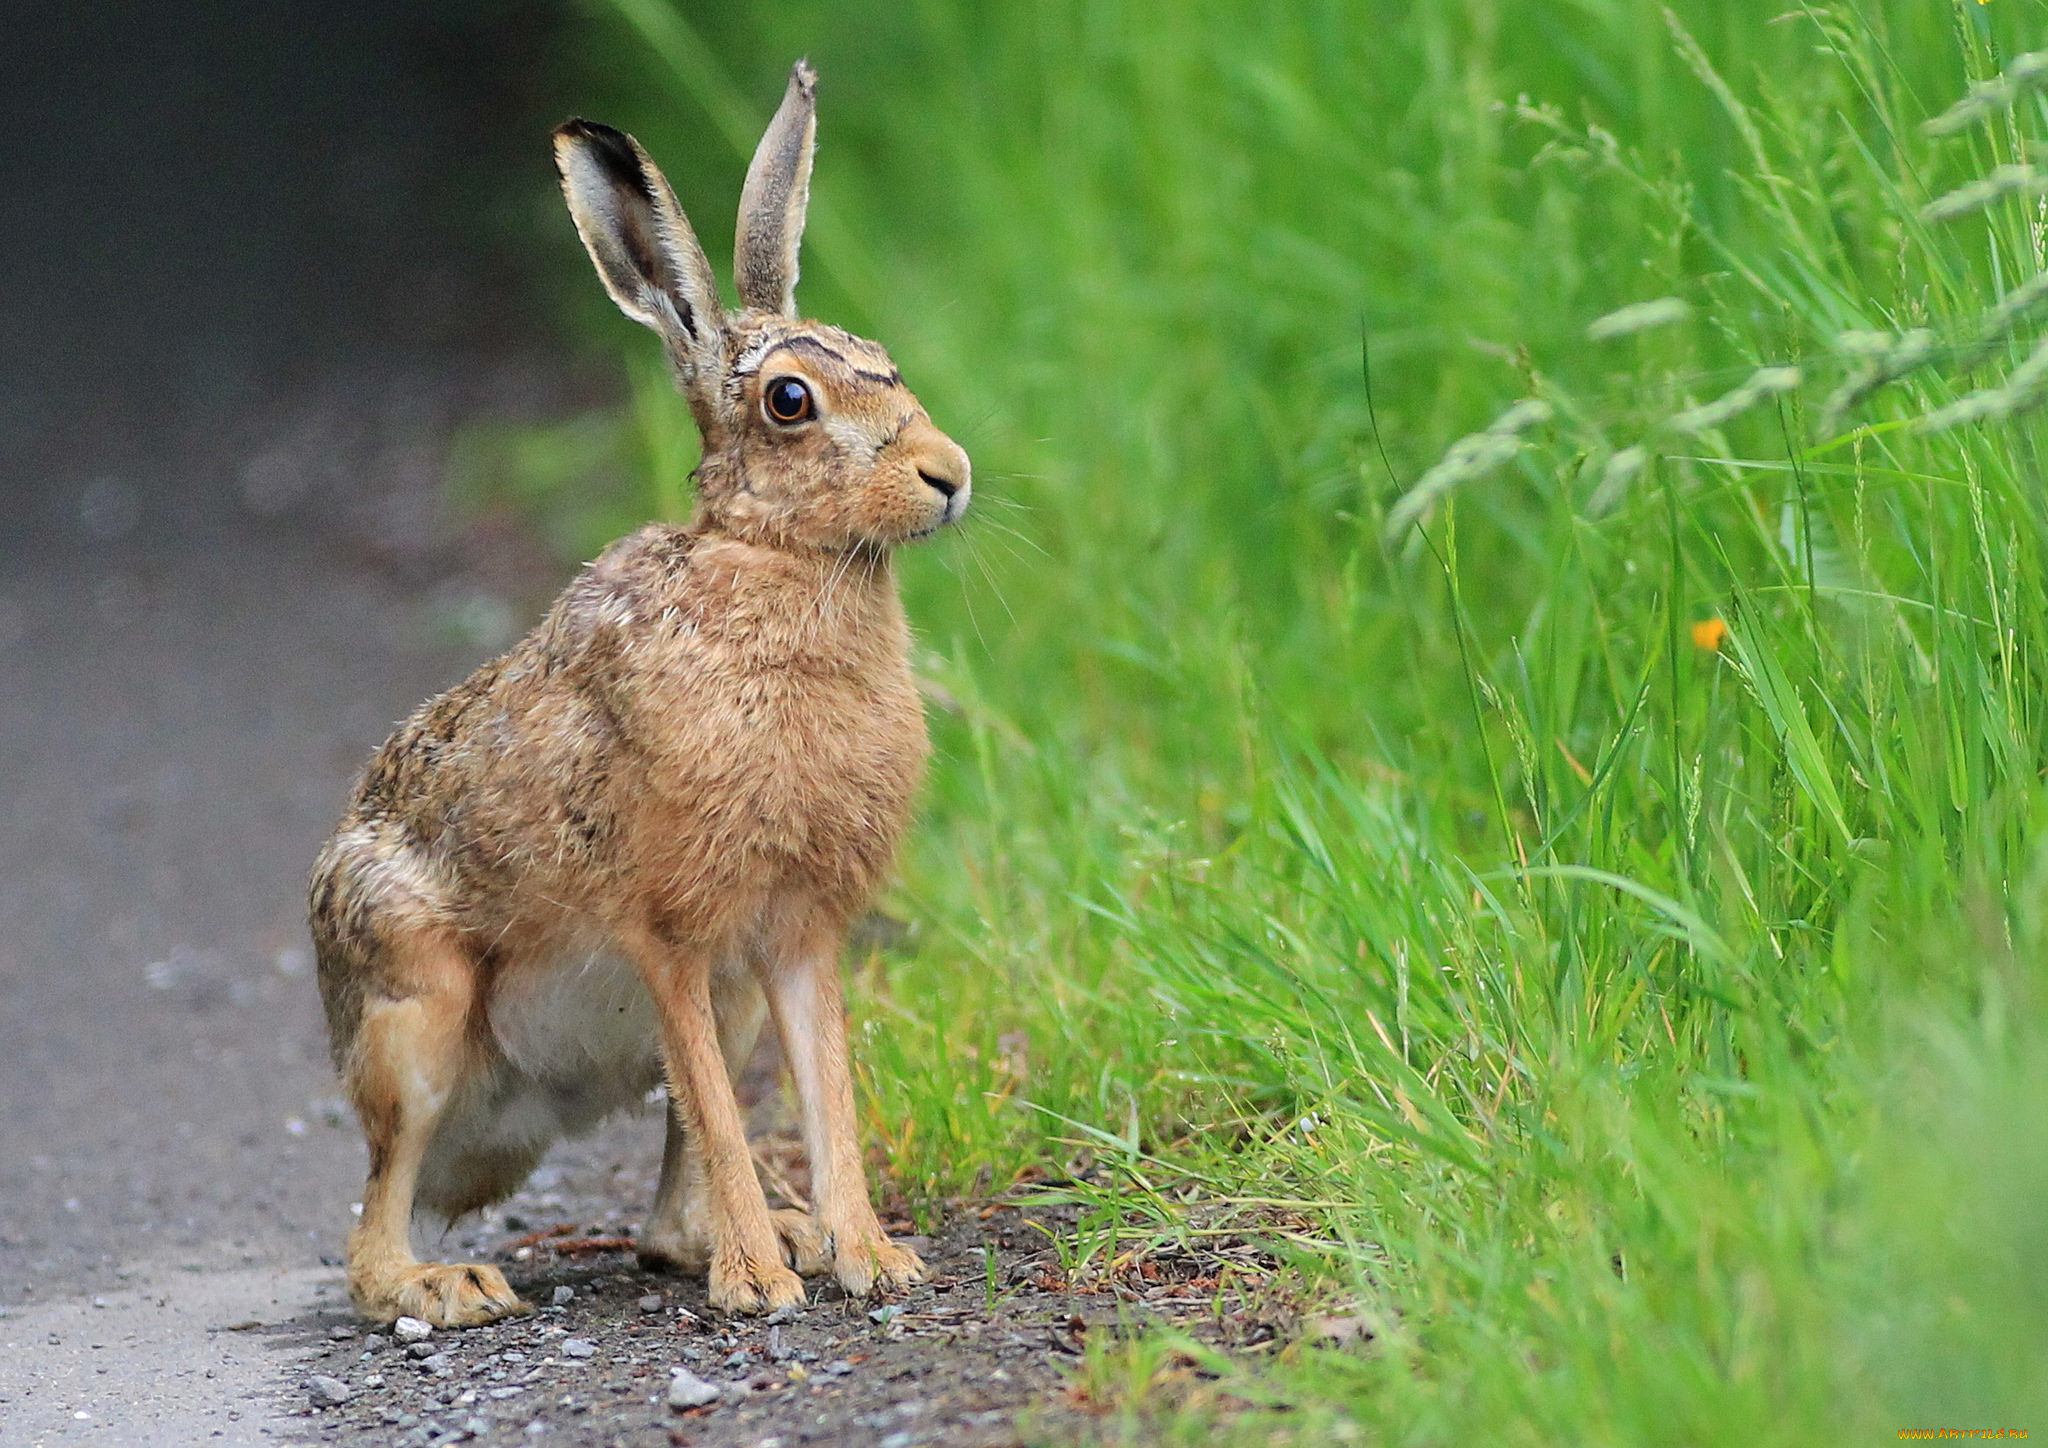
x,y
1648,1038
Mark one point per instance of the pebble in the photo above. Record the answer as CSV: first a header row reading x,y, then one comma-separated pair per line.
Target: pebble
x,y
340,1334
440,1363
778,1350
838,1367
411,1329
576,1347
328,1392
564,1296
687,1390
886,1314
779,1316
374,1342
739,1359
651,1302
421,1349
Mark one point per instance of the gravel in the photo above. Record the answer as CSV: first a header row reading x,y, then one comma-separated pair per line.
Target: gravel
x,y
411,1329
328,1392
955,1361
687,1390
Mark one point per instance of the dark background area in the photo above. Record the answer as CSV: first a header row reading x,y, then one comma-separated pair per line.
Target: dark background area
x,y
258,263
207,204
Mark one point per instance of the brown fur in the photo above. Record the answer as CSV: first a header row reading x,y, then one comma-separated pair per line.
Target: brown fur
x,y
599,857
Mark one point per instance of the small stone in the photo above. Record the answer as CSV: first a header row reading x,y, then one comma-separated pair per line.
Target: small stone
x,y
778,1350
886,1314
781,1315
739,1359
511,1391
838,1367
687,1390
374,1342
374,1380
564,1296
421,1349
328,1392
340,1333
411,1329
476,1425
898,1440
440,1363
651,1302
576,1347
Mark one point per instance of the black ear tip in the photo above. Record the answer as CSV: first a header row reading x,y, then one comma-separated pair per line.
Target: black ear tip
x,y
613,150
591,132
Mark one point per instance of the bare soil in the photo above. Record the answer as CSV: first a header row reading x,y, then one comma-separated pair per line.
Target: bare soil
x,y
981,1354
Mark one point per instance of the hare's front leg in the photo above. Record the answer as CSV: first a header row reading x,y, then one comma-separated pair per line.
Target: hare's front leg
x,y
678,1234
740,1249
800,971
405,1063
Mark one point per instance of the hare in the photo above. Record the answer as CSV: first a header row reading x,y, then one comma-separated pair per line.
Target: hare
x,y
601,859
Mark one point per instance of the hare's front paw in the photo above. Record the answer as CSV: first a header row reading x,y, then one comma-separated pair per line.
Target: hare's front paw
x,y
439,1293
741,1284
864,1265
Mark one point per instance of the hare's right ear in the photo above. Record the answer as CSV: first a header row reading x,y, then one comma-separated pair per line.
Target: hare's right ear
x,y
646,254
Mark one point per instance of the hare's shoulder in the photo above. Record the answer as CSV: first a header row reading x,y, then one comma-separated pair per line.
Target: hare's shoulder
x,y
544,717
628,590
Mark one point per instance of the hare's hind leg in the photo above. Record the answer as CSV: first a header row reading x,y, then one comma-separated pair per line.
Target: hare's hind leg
x,y
678,1234
404,1065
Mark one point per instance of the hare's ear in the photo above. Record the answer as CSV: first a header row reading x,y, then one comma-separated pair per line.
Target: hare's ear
x,y
646,254
777,191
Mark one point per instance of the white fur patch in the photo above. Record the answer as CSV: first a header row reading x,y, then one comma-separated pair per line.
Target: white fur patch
x,y
579,1022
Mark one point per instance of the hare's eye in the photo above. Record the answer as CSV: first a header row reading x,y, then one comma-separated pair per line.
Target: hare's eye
x,y
787,400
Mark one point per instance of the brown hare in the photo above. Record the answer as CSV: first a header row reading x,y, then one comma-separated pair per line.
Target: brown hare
x,y
603,857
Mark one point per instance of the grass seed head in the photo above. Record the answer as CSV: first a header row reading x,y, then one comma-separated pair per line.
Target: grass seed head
x,y
1639,317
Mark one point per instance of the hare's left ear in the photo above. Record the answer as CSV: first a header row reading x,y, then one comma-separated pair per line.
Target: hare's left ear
x,y
642,245
772,205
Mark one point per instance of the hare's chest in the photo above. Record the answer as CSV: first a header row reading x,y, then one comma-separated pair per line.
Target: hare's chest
x,y
834,765
814,763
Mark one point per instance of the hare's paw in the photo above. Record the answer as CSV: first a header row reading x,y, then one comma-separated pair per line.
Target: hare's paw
x,y
804,1243
673,1252
870,1264
744,1285
805,1247
446,1295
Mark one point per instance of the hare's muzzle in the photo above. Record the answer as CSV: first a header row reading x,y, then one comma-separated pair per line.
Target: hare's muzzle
x,y
942,467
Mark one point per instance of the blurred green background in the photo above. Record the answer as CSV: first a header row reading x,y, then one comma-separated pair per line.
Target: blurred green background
x,y
1589,921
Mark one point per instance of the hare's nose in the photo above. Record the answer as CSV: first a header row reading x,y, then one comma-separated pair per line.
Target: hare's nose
x,y
945,486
